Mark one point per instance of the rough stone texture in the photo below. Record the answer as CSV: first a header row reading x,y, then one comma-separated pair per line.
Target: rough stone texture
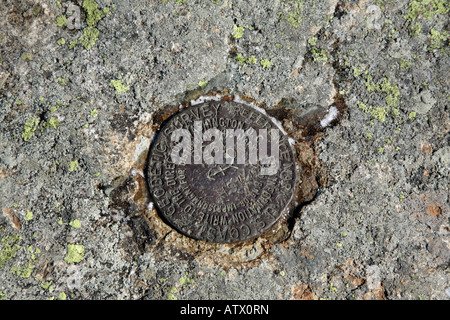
x,y
378,226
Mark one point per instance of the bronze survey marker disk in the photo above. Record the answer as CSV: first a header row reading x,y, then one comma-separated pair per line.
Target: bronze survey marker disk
x,y
222,203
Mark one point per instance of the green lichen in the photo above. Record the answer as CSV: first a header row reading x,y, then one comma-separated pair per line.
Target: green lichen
x,y
319,54
356,72
47,286
23,271
62,296
73,165
252,60
89,37
392,91
75,253
53,122
72,44
107,11
370,86
61,21
29,215
29,128
93,14
266,63
62,81
379,113
414,29
395,112
238,32
9,249
240,59
405,64
428,9
75,224
26,56
172,292
94,113
33,254
55,108
186,281
312,41
436,38
332,287
119,86
61,42
202,84
292,12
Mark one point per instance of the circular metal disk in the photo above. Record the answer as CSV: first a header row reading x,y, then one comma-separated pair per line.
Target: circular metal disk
x,y
226,202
